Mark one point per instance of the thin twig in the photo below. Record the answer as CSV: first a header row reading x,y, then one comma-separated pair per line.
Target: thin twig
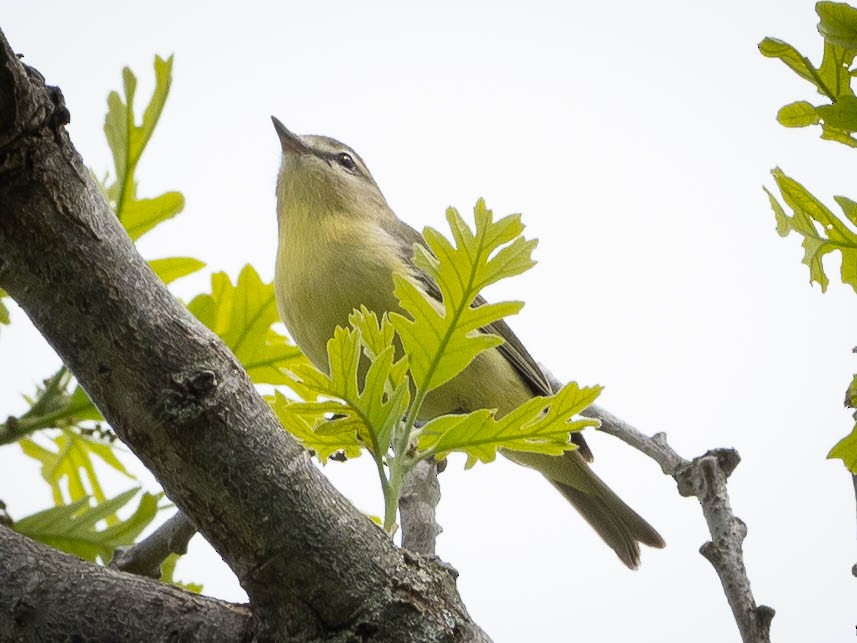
x,y
705,478
417,504
145,557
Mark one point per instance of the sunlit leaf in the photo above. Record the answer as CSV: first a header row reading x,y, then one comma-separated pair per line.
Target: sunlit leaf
x,y
822,230
442,338
373,406
141,215
4,311
168,571
540,425
841,115
798,114
173,268
242,315
838,23
798,63
846,450
74,528
301,420
72,462
126,138
832,78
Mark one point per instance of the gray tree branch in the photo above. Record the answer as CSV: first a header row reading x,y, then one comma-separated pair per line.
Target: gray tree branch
x,y
145,557
705,478
46,595
313,567
417,508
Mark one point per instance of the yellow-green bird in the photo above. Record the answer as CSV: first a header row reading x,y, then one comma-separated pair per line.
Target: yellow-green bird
x,y
340,245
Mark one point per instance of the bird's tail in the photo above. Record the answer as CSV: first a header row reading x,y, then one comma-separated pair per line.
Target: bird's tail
x,y
622,528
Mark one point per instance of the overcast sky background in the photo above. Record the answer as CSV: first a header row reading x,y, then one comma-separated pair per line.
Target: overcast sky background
x,y
635,138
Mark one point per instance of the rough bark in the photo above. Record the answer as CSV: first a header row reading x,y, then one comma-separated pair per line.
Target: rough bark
x,y
313,567
145,557
48,596
417,508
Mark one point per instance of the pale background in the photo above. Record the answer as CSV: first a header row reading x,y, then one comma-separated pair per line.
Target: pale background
x,y
635,138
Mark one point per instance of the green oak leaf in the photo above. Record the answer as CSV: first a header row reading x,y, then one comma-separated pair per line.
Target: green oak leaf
x,y
838,23
540,425
822,230
73,528
172,268
442,338
72,462
243,315
303,419
128,140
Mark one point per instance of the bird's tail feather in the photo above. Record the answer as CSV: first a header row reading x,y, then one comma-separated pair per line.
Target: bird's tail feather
x,y
622,528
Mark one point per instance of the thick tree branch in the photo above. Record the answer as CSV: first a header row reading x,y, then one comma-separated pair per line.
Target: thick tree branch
x,y
50,596
145,557
705,477
313,567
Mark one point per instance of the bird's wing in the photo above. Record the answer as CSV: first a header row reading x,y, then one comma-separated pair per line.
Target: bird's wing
x,y
511,348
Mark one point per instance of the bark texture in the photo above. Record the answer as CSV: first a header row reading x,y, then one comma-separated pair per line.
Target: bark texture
x,y
48,596
313,567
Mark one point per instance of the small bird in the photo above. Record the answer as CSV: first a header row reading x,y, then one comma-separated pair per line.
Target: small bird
x,y
340,245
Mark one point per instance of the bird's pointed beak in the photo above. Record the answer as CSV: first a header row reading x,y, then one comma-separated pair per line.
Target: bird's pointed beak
x,y
291,143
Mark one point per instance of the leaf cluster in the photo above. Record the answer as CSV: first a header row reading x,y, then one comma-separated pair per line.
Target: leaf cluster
x,y
372,384
380,369
822,230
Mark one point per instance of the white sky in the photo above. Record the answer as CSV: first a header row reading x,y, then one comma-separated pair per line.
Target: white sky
x,y
635,138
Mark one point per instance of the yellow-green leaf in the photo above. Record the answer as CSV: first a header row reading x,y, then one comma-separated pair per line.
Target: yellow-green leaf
x,y
841,115
72,462
540,425
138,216
798,114
4,312
243,315
442,337
846,450
822,230
173,268
838,23
126,138
302,420
168,572
73,528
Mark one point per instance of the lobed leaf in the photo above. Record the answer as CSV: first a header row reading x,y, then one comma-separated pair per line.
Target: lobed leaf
x,y
168,572
138,216
540,425
846,450
126,139
172,268
73,528
302,421
72,462
442,338
822,230
243,315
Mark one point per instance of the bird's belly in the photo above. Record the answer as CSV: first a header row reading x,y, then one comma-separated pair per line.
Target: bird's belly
x,y
316,298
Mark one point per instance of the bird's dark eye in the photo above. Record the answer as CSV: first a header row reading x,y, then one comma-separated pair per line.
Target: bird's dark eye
x,y
345,161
